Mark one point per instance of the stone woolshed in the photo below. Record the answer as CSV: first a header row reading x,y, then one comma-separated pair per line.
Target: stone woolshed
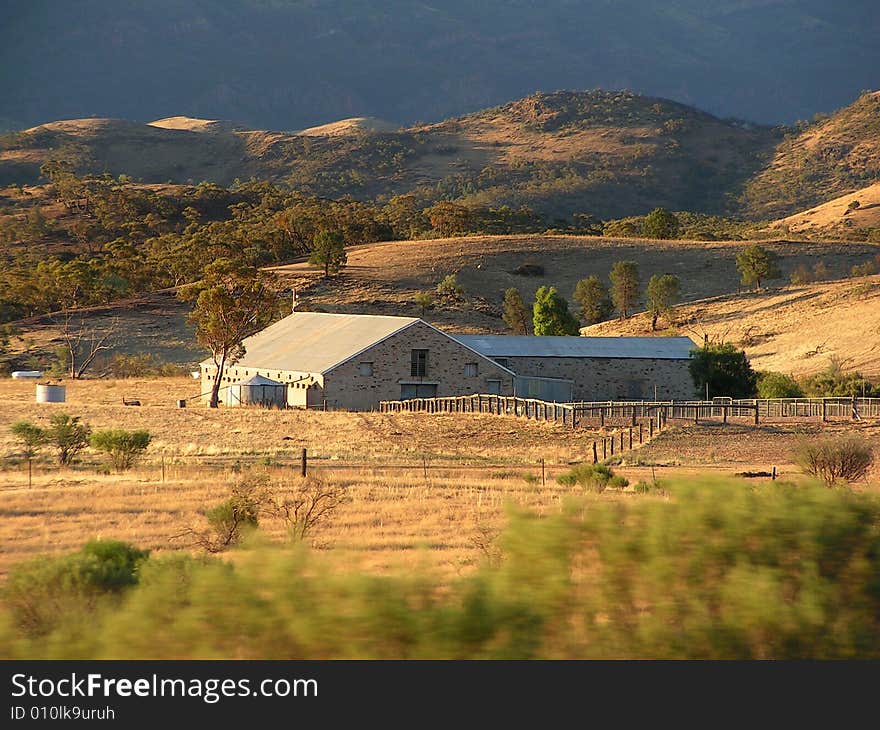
x,y
353,361
599,368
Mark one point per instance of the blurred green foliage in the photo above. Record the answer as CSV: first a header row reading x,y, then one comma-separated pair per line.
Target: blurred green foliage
x,y
716,570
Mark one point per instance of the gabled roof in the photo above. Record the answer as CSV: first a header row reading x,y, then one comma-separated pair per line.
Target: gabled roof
x,y
259,380
653,348
314,342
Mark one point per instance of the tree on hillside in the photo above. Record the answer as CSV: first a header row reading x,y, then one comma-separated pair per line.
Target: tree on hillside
x,y
625,286
449,218
725,369
594,303
515,314
660,223
756,264
328,250
663,295
449,290
232,301
550,315
425,301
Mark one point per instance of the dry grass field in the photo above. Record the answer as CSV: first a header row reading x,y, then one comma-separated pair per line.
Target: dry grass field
x,y
423,490
414,481
837,215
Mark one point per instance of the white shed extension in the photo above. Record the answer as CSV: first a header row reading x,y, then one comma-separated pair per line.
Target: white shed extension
x,y
257,391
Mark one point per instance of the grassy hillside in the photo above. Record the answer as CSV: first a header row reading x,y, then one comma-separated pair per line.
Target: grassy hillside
x,y
605,153
831,157
848,216
795,330
383,278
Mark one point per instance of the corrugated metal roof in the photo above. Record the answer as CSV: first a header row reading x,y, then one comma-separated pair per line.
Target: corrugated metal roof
x,y
259,380
313,342
654,348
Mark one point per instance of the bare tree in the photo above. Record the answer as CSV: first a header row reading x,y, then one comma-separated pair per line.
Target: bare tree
x,y
305,505
83,343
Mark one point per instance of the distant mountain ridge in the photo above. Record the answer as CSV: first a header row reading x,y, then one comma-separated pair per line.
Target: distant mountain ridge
x,y
605,153
292,64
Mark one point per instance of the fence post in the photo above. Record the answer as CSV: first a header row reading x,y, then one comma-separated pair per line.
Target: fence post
x,y
630,438
633,415
595,454
650,428
756,413
602,416
640,433
621,440
604,448
612,444
824,411
304,463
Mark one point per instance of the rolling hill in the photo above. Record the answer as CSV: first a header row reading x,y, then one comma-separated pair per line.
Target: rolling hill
x,y
838,217
796,330
836,317
833,156
605,153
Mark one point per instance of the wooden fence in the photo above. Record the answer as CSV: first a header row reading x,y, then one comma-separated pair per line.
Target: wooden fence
x,y
607,412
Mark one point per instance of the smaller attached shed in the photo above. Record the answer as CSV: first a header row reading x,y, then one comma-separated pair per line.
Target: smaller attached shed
x,y
257,391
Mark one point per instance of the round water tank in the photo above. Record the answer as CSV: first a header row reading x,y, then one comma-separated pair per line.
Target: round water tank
x,y
51,393
19,374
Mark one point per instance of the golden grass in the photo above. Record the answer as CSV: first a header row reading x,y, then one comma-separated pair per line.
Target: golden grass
x,y
424,490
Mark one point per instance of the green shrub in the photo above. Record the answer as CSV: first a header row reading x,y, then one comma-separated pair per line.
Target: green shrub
x,y
449,290
778,385
30,436
719,570
594,477
123,447
835,382
39,593
231,520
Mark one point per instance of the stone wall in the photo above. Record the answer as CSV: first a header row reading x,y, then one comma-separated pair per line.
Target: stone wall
x,y
346,387
597,379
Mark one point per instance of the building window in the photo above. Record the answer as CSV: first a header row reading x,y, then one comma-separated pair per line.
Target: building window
x,y
418,363
470,370
366,369
503,362
494,387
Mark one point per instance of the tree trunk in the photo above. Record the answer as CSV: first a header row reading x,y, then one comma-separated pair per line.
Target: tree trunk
x,y
653,321
215,387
